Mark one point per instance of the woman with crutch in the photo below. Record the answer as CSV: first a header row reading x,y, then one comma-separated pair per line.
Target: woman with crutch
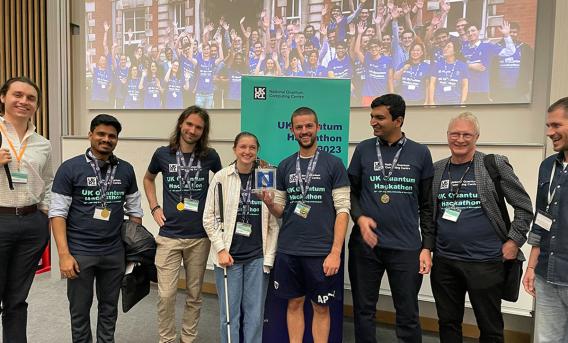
x,y
243,237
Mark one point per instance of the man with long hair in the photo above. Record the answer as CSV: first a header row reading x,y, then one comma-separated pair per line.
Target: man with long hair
x,y
185,165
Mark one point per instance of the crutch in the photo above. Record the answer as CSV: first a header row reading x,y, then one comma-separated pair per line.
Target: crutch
x,y
221,215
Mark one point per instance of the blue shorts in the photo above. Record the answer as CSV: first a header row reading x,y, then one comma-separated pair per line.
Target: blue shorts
x,y
297,276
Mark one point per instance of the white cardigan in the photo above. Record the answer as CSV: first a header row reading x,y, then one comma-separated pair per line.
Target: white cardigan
x,y
221,239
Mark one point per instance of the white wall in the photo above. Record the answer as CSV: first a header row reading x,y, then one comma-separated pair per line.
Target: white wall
x,y
513,130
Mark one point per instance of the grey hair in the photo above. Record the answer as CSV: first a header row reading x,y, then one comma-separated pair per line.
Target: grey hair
x,y
468,116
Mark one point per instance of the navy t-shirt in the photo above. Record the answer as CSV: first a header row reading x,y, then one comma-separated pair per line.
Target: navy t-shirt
x,y
449,78
376,75
414,81
472,237
183,224
85,234
311,236
482,53
397,220
245,249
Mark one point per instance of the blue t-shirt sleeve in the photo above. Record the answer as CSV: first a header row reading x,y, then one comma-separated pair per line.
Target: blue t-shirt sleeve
x,y
63,181
216,166
355,164
428,166
465,71
281,174
133,187
154,167
339,174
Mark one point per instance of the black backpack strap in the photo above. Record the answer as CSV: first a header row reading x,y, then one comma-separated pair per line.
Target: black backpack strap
x,y
7,170
491,166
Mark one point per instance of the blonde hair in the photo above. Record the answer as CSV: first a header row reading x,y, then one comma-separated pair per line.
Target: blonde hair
x,y
467,116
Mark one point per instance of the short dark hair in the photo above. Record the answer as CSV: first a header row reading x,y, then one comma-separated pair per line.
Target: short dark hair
x,y
408,31
515,25
202,146
301,111
393,102
6,87
560,103
470,25
105,119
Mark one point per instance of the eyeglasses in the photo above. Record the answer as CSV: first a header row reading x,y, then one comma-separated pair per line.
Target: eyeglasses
x,y
457,135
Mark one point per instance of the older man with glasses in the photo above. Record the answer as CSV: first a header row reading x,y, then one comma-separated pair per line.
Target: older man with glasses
x,y
473,237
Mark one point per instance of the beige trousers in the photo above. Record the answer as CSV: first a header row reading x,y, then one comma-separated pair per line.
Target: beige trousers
x,y
169,256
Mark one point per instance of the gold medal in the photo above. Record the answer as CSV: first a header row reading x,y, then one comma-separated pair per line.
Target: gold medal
x,y
180,206
385,198
105,212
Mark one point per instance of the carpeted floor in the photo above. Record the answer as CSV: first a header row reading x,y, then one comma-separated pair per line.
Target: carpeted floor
x,y
48,318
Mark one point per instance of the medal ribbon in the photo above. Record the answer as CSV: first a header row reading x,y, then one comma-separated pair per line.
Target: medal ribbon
x,y
394,160
304,186
185,180
104,185
23,147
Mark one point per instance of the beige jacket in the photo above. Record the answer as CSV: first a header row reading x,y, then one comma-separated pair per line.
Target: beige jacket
x,y
221,236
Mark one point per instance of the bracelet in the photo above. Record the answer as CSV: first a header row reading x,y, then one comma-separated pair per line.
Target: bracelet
x,y
529,267
154,209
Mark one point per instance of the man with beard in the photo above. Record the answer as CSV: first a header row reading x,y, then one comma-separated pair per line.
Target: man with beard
x,y
312,198
91,194
546,276
185,165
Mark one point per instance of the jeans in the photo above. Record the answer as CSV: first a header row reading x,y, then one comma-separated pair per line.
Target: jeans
x,y
169,255
247,292
483,281
366,269
108,272
22,241
551,321
204,100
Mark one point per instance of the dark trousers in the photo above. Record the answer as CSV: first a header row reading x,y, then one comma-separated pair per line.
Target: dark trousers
x,y
483,281
108,272
22,241
366,269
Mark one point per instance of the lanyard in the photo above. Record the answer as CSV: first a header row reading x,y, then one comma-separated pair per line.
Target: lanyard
x,y
448,78
461,179
394,160
23,147
185,180
104,185
553,193
304,186
245,196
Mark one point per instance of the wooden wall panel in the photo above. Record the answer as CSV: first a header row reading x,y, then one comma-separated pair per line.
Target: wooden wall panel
x,y
23,48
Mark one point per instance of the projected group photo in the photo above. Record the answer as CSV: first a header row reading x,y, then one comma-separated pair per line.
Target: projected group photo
x,y
144,54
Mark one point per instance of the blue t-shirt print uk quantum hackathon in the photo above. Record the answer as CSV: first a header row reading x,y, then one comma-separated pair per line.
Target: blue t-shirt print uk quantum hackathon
x,y
85,234
183,224
311,236
398,219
